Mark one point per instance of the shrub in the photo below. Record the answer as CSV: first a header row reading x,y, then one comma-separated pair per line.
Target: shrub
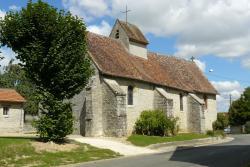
x,y
247,127
222,122
210,133
156,123
213,133
56,120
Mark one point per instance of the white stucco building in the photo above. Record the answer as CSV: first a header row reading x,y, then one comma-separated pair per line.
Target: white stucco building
x,y
11,111
129,79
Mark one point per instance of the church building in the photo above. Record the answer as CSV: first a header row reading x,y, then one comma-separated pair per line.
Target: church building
x,y
129,79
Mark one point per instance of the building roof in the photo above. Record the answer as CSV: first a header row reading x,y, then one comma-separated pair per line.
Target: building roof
x,y
113,59
133,32
10,95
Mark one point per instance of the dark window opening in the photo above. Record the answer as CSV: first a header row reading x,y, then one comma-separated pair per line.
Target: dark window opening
x,y
205,101
181,102
5,110
117,34
130,95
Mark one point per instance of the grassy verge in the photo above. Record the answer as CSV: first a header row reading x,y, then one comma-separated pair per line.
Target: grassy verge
x,y
20,152
140,140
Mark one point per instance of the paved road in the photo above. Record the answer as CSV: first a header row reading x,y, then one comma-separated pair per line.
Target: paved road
x,y
232,154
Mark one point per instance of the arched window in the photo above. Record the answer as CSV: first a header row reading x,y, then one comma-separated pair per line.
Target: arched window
x,y
117,34
130,95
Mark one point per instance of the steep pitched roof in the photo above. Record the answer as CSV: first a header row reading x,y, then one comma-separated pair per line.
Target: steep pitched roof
x,y
133,32
112,58
10,95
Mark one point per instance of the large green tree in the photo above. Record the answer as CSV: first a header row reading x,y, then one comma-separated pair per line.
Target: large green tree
x,y
239,112
14,77
51,46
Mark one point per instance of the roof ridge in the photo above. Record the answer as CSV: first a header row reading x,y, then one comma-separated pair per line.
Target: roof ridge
x,y
170,56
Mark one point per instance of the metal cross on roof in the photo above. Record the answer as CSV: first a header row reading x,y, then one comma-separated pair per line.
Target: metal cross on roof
x,y
126,12
192,58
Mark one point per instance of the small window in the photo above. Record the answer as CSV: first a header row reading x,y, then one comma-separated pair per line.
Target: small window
x,y
130,95
181,102
205,101
117,34
5,111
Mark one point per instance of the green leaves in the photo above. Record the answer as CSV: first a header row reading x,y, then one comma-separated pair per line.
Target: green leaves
x,y
14,77
155,123
221,122
56,121
51,45
239,112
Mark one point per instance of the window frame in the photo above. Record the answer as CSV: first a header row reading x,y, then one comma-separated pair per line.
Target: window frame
x,y
6,112
130,95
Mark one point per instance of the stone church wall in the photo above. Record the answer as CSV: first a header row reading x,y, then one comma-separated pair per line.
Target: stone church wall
x,y
162,103
114,112
211,112
87,108
100,111
195,116
143,100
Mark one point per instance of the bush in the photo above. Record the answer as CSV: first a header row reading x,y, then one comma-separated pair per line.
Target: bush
x,y
247,127
156,123
222,122
56,120
215,133
210,133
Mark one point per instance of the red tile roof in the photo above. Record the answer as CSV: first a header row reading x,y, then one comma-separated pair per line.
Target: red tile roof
x,y
10,95
112,58
133,32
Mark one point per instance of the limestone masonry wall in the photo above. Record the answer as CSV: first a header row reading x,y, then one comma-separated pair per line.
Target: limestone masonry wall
x,y
13,122
114,113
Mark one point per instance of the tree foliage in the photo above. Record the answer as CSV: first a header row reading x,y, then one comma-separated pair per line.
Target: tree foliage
x,y
222,121
56,121
51,45
14,77
239,111
156,123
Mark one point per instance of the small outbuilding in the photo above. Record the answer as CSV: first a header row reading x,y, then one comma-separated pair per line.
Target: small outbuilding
x,y
11,111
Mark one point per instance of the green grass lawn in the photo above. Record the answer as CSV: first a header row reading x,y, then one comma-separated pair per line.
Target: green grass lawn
x,y
20,152
140,140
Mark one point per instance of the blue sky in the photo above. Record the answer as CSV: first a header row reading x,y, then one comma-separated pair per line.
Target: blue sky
x,y
215,32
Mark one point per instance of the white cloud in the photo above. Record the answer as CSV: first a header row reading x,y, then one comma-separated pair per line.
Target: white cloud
x,y
8,54
227,88
14,7
200,64
217,27
2,13
87,9
246,63
104,28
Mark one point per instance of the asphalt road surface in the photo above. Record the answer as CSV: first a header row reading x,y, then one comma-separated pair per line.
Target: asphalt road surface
x,y
232,154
